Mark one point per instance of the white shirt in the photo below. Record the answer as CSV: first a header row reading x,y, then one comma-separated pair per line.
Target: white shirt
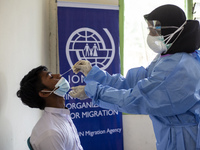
x,y
55,131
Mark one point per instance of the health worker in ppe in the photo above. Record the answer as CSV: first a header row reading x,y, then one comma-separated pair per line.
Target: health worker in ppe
x,y
168,90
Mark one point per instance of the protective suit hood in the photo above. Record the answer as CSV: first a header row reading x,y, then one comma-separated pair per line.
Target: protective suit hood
x,y
171,15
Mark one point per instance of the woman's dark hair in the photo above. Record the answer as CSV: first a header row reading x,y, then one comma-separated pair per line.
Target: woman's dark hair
x,y
30,86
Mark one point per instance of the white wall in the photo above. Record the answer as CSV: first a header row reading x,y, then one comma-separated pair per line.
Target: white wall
x,y
138,133
24,44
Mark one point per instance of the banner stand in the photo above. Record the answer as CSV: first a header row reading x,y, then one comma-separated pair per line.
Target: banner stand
x,y
90,32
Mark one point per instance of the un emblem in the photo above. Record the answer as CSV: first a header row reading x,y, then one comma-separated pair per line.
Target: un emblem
x,y
87,44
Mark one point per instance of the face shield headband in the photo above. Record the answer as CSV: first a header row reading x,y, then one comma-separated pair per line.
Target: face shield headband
x,y
158,42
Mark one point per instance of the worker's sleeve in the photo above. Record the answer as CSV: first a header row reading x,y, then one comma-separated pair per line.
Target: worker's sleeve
x,y
116,80
167,91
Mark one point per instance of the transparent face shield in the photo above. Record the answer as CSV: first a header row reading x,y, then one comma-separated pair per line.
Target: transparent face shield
x,y
156,40
154,27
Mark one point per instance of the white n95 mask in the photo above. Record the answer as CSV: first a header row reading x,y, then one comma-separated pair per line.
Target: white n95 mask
x,y
157,44
61,87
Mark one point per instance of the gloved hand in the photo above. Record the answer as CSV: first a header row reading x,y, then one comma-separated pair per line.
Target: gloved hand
x,y
83,66
78,92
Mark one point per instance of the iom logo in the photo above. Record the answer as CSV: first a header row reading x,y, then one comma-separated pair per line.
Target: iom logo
x,y
87,44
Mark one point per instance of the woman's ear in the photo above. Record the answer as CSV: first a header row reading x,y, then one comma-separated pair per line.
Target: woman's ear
x,y
44,93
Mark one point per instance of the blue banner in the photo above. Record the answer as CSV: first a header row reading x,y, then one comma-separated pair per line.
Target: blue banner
x,y
90,32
